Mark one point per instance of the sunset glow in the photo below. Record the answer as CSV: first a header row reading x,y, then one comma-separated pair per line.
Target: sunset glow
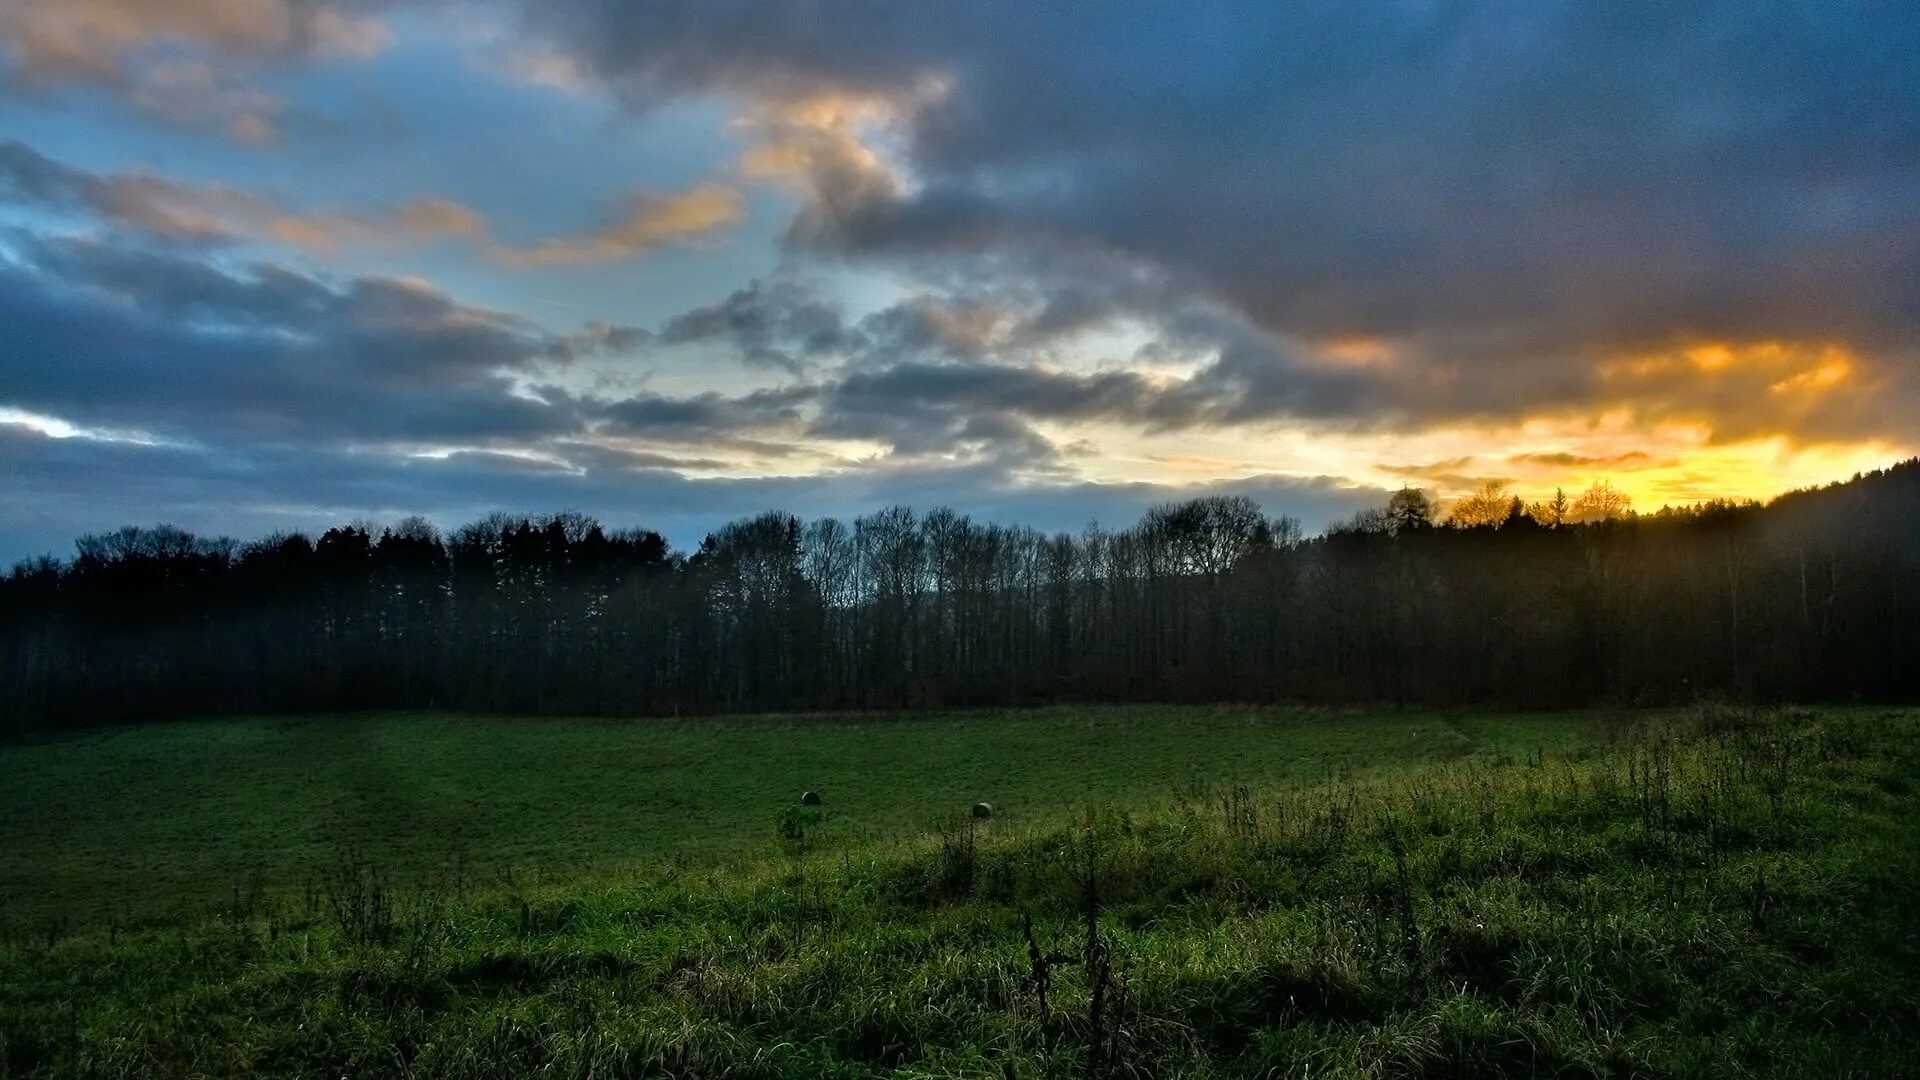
x,y
959,538
386,260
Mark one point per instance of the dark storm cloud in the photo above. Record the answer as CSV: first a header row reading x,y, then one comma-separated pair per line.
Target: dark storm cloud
x,y
112,336
1503,189
107,335
1511,208
1019,319
1031,391
979,409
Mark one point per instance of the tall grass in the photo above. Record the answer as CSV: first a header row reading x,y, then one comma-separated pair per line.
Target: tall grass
x,y
1717,892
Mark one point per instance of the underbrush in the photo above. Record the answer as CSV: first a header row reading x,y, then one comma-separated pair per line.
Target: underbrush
x,y
1720,892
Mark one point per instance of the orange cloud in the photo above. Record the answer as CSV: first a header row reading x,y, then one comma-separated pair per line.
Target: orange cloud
x,y
130,46
89,39
652,221
1358,351
830,144
1727,360
219,212
222,213
1832,371
1744,390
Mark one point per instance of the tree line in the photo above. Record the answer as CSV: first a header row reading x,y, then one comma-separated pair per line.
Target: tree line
x,y
1813,596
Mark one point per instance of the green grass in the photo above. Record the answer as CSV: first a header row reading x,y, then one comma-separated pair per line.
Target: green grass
x,y
1713,893
156,820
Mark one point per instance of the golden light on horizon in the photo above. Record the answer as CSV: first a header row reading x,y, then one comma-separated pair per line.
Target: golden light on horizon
x,y
1656,463
1758,469
1358,351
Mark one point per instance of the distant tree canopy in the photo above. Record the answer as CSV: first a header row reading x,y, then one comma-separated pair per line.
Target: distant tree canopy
x,y
1601,502
1490,507
1814,596
1487,508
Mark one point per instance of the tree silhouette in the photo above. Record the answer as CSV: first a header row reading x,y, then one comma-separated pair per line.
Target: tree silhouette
x,y
1411,510
1601,503
1486,508
1813,596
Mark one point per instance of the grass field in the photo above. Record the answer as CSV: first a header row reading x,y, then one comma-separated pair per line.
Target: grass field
x,y
1716,892
134,822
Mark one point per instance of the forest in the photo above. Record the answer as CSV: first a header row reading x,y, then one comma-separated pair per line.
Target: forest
x,y
1813,596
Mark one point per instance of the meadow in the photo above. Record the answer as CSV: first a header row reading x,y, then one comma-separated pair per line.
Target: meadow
x,y
1162,892
135,822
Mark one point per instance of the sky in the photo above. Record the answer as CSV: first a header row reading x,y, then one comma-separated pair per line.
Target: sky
x,y
282,264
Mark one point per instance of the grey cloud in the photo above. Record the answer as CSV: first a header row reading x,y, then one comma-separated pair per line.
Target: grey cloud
x,y
1506,196
981,410
591,455
217,213
27,176
711,415
960,326
599,338
184,64
114,336
931,373
904,389
1505,190
1247,374
780,323
106,41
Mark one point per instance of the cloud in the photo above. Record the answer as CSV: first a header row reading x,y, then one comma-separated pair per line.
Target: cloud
x,y
1527,241
110,336
997,373
1563,459
90,40
996,351
193,95
547,68
218,213
831,146
780,323
599,338
650,222
239,398
186,63
221,213
919,404
66,487
104,332
1508,197
710,417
